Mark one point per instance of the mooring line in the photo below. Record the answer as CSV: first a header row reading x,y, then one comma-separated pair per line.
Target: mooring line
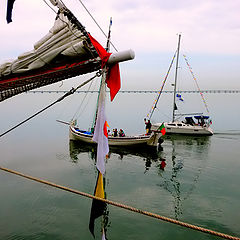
x,y
133,209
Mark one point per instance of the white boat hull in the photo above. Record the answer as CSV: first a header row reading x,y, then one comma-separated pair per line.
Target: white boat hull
x,y
84,136
184,129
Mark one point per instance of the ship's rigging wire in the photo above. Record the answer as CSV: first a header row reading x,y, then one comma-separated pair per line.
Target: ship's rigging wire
x,y
97,24
85,101
70,92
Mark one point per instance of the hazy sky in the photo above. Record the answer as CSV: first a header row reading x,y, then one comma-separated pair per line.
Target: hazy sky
x,y
210,36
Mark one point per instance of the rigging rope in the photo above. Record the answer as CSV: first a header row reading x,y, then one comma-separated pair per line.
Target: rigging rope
x,y
97,24
120,205
190,69
77,113
70,92
160,91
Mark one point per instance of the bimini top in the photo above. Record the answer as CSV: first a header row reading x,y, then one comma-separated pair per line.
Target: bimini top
x,y
201,117
66,51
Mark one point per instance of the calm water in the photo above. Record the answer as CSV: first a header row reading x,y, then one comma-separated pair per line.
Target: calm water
x,y
199,184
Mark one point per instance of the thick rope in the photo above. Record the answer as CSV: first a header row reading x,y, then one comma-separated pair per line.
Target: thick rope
x,y
187,225
73,90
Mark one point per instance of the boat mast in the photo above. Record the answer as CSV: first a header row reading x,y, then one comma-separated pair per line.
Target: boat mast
x,y
102,87
175,84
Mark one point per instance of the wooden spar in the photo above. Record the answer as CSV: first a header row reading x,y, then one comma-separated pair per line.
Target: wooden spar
x,y
121,56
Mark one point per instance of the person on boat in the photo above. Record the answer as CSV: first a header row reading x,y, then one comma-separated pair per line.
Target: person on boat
x,y
115,132
109,132
148,126
121,133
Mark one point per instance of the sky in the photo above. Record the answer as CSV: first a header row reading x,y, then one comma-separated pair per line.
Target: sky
x,y
210,32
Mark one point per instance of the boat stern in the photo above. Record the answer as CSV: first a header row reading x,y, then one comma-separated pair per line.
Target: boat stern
x,y
154,139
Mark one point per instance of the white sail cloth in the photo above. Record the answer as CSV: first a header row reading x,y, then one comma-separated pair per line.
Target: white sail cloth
x,y
63,40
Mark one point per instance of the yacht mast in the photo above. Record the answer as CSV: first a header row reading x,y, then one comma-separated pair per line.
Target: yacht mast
x,y
175,84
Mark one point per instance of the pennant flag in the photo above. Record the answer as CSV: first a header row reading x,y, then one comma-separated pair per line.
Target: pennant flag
x,y
9,10
107,124
100,133
103,54
162,129
98,207
179,97
113,75
113,80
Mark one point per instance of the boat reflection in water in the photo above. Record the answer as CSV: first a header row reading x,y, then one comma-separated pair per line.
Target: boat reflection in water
x,y
149,155
181,182
179,165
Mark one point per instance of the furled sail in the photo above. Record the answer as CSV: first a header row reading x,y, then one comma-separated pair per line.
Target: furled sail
x,y
66,51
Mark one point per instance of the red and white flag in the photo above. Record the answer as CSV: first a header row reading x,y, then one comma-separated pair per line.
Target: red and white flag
x,y
100,134
113,79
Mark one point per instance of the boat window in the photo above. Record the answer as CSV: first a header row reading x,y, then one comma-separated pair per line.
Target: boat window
x,y
179,124
172,124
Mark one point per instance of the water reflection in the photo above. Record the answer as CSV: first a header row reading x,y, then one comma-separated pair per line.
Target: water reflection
x,y
179,164
149,155
99,208
181,149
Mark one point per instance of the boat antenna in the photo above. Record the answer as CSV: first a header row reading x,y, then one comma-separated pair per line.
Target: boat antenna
x,y
175,83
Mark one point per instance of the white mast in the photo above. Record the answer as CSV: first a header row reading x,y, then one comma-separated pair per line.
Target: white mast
x,y
102,88
175,84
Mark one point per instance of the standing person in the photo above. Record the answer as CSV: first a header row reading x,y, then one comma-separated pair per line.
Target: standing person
x,y
148,126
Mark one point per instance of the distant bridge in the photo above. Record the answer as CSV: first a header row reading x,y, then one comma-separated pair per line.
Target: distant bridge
x,y
139,91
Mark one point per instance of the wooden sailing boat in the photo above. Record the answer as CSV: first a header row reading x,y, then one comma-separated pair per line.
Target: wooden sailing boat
x,y
188,126
87,136
66,51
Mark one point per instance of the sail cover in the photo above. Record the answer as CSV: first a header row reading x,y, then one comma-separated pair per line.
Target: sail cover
x,y
66,51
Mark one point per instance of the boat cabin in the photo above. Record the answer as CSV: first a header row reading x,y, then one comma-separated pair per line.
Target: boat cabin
x,y
201,119
189,120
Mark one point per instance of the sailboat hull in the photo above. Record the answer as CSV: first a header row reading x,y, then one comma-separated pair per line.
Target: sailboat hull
x,y
148,140
185,129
